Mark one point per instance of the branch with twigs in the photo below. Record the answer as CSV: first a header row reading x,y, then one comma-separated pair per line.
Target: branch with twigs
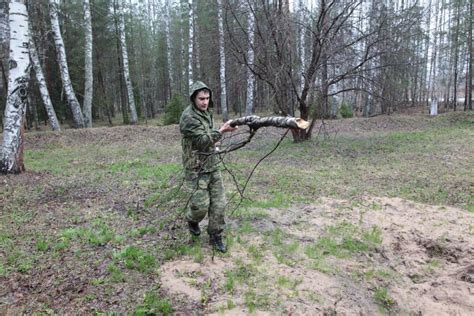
x,y
254,123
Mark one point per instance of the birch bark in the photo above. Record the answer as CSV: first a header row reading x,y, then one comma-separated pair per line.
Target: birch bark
x,y
191,44
126,72
63,67
88,78
11,156
255,122
225,114
250,60
48,105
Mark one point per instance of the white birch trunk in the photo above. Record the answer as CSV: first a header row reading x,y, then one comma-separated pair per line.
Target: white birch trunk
x,y
182,50
250,61
11,156
434,58
225,114
63,67
88,77
48,105
190,47
126,72
434,107
197,52
168,44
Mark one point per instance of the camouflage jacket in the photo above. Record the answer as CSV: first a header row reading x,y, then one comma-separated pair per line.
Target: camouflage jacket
x,y
198,137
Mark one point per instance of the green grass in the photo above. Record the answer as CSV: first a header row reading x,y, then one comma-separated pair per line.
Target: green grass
x,y
194,250
470,208
136,258
344,240
19,260
284,248
256,252
3,270
229,284
241,274
397,163
375,273
154,305
144,169
52,159
286,282
432,265
141,231
115,273
383,299
42,244
254,300
98,235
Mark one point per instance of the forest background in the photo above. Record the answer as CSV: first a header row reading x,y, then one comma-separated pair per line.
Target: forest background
x,y
307,59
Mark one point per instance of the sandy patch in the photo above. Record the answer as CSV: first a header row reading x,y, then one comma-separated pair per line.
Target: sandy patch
x,y
424,262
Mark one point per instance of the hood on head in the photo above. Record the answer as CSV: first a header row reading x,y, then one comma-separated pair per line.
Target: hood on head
x,y
196,87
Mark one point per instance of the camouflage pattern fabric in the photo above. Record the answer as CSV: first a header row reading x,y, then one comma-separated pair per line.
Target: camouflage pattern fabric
x,y
203,178
207,197
198,136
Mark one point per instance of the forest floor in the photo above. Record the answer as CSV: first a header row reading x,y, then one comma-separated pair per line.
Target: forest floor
x,y
371,216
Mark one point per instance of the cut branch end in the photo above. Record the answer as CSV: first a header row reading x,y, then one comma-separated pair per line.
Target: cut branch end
x,y
302,124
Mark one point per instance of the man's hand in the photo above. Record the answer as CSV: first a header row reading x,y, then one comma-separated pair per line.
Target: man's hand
x,y
227,128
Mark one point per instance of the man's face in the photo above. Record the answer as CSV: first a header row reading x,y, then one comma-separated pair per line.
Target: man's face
x,y
202,100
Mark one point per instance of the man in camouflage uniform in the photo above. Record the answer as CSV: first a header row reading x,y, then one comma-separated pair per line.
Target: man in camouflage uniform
x,y
202,176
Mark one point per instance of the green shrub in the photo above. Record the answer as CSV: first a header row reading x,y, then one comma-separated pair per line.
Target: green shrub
x,y
173,110
346,110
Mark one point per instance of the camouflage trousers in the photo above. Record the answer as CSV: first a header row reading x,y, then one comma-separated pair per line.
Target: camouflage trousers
x,y
208,197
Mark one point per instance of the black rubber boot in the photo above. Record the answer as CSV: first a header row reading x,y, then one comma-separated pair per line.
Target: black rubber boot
x,y
194,228
216,242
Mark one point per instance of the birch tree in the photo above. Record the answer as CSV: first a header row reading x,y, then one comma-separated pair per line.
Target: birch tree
x,y
43,88
63,66
191,44
126,72
11,160
250,60
88,80
123,95
434,58
225,115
